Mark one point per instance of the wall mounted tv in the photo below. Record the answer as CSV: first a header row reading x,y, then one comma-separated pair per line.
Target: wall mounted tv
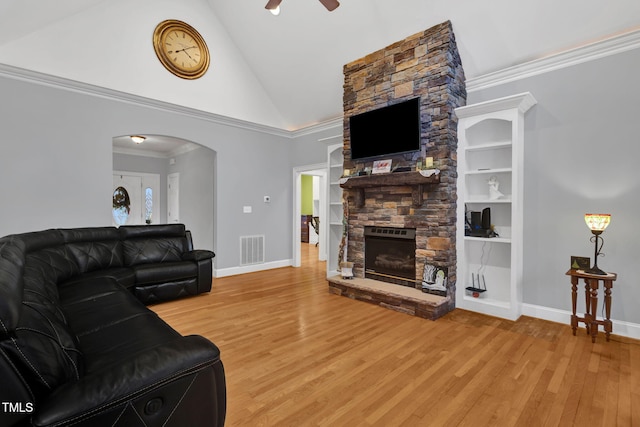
x,y
386,131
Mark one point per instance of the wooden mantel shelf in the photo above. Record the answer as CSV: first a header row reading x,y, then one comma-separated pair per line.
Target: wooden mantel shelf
x,y
415,179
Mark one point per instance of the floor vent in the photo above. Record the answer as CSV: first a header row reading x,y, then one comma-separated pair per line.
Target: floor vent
x,y
251,250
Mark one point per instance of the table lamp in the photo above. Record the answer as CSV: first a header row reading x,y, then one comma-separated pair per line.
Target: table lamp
x,y
597,223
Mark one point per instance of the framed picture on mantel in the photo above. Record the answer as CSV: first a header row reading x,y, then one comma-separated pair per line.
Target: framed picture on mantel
x,y
381,166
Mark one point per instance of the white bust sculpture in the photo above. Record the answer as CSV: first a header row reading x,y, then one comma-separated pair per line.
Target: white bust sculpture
x,y
493,188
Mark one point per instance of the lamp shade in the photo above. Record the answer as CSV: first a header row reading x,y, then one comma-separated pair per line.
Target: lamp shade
x,y
597,222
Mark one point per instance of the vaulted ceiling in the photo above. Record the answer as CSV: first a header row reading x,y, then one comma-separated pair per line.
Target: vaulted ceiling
x,y
284,71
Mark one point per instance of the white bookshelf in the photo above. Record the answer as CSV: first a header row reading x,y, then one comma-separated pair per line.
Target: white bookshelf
x,y
491,144
335,209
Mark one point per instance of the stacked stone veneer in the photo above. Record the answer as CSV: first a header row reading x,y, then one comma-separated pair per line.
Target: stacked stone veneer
x,y
425,65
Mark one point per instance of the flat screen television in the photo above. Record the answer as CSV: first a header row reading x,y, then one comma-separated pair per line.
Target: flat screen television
x,y
394,129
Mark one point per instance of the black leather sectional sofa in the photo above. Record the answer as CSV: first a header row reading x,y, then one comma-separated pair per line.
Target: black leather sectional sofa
x,y
78,346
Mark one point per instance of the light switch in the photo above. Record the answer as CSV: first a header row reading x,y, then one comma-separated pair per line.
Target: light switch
x,y
246,209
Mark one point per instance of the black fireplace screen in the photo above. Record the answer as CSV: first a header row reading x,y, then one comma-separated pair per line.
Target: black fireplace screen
x,y
390,255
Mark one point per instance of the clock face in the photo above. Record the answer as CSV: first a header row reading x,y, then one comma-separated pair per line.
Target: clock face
x,y
181,49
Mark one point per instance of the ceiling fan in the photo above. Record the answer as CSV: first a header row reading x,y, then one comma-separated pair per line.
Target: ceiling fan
x,y
329,4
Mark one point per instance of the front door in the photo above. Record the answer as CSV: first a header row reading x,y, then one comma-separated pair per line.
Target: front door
x,y
127,200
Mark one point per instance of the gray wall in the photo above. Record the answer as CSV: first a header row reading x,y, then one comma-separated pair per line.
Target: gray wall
x,y
197,183
311,148
581,155
56,165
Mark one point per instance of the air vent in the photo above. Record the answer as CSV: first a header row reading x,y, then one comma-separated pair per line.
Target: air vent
x,y
391,232
251,250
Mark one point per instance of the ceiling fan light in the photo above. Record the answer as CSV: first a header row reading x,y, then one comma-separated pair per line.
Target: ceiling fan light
x,y
275,11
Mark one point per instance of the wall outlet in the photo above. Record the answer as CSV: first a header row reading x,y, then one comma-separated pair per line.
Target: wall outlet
x,y
246,209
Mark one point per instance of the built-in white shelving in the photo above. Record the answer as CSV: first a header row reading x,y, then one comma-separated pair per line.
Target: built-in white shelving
x,y
491,147
335,207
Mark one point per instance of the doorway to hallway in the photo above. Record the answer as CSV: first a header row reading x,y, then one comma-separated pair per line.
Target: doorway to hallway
x,y
135,198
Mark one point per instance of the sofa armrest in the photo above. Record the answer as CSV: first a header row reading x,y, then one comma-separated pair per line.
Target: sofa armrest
x,y
185,372
197,255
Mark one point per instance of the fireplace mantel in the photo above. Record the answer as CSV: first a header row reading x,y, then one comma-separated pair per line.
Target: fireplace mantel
x,y
415,179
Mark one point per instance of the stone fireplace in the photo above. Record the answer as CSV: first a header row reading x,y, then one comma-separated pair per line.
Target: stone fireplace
x,y
422,205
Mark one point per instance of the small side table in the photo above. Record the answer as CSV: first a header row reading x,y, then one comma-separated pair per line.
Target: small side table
x,y
591,284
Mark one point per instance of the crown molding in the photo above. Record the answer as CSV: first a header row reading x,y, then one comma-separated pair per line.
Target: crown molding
x,y
521,102
332,124
139,152
43,79
156,154
610,46
600,49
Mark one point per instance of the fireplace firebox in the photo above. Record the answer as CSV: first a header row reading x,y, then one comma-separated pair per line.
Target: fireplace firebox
x,y
390,255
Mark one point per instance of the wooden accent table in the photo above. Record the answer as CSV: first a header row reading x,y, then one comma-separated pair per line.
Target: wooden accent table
x,y
591,284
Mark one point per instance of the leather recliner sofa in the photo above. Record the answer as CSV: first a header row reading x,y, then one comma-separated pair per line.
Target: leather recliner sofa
x,y
79,347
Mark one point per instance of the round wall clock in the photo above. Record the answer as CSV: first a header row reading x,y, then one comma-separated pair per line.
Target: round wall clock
x,y
181,49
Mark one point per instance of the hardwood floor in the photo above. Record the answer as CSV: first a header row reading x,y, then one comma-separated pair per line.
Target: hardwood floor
x,y
296,355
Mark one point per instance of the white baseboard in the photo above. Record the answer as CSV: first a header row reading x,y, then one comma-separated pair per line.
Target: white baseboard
x,y
232,271
620,327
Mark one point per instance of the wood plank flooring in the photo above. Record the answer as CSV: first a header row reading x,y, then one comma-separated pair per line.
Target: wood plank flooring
x,y
296,355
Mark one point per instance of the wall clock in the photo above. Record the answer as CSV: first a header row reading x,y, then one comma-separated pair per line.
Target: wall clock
x,y
181,49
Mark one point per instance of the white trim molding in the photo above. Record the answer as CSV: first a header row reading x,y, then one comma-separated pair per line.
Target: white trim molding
x,y
606,47
102,92
49,80
93,90
232,271
620,327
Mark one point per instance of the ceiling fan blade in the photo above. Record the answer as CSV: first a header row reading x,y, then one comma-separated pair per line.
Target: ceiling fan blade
x,y
330,4
272,4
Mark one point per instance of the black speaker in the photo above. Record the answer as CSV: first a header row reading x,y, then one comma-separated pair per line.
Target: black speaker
x,y
476,220
486,219
481,224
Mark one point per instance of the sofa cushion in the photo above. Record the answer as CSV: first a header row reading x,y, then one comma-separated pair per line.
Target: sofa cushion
x,y
99,255
11,268
36,337
165,272
111,325
184,378
123,276
151,294
42,345
151,250
146,232
50,265
108,322
89,234
76,291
